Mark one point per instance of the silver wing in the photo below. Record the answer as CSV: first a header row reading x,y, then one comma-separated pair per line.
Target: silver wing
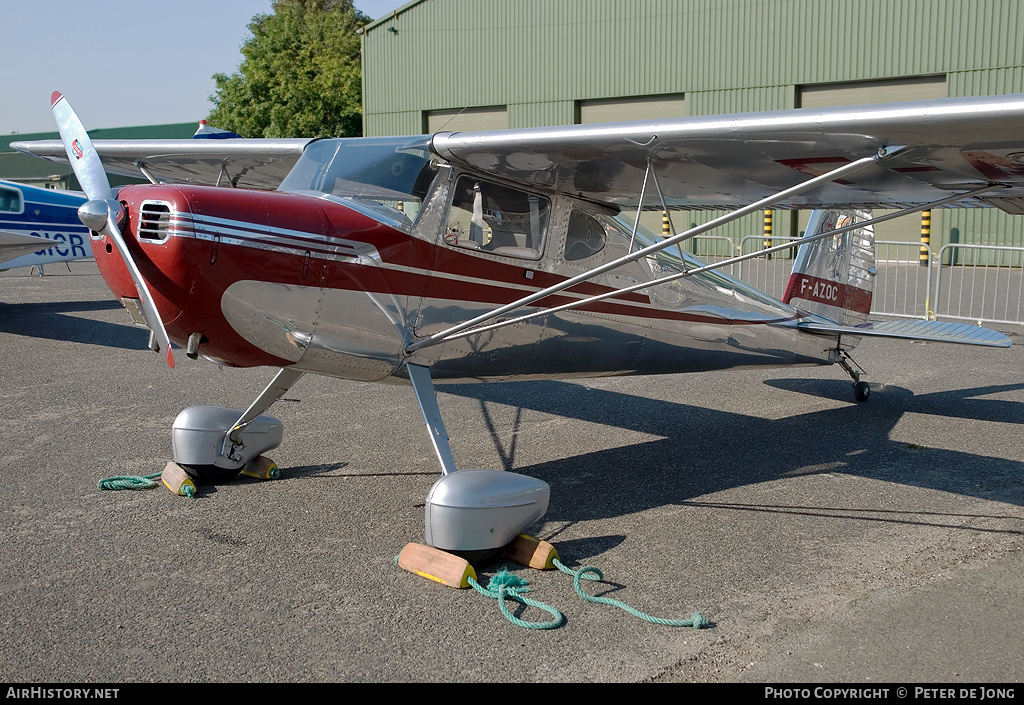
x,y
712,162
243,163
722,162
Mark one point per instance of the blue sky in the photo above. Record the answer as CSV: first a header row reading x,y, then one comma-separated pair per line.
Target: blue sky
x,y
123,62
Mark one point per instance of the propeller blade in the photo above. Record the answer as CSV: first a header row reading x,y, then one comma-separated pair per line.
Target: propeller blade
x,y
84,159
101,212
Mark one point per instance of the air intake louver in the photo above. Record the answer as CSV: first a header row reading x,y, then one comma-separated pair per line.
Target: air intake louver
x,y
154,221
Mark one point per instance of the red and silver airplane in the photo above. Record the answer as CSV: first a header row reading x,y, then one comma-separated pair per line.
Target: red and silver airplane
x,y
502,255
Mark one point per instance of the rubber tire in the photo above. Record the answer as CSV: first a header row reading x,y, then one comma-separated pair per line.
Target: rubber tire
x,y
479,556
861,391
210,474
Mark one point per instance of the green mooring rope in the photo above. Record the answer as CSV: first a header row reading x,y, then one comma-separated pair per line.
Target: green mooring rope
x,y
137,482
589,572
503,587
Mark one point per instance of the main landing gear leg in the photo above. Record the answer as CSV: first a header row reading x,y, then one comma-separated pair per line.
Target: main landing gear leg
x,y
233,446
473,513
427,398
861,389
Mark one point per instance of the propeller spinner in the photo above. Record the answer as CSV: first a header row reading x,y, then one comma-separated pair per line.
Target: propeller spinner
x,y
102,212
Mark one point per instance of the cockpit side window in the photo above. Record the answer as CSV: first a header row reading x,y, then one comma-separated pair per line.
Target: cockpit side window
x,y
585,236
497,219
10,201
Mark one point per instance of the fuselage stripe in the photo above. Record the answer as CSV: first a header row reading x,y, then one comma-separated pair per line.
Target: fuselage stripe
x,y
414,280
299,243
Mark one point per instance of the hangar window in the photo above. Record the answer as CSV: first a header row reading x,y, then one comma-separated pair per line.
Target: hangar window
x,y
585,237
871,92
10,201
466,119
497,219
647,107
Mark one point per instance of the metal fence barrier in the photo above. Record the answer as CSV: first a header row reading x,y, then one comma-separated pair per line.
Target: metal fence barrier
x,y
770,273
902,284
991,292
712,249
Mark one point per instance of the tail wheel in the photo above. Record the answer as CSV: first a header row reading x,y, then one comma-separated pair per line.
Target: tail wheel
x,y
861,391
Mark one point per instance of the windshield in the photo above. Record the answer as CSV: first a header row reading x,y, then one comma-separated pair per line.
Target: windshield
x,y
387,176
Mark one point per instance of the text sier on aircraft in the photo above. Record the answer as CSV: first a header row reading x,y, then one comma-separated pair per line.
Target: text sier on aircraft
x,y
503,255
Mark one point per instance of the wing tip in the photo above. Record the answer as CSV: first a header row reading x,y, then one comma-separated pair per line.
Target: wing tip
x,y
55,98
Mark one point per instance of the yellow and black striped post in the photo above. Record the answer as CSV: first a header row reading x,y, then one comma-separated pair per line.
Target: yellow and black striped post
x,y
926,235
767,231
666,229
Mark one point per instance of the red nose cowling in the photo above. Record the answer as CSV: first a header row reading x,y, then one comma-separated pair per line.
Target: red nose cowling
x,y
191,243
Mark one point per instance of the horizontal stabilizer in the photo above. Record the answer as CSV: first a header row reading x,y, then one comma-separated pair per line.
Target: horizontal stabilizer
x,y
933,331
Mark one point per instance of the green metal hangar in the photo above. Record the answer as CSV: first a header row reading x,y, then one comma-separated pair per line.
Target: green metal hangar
x,y
470,65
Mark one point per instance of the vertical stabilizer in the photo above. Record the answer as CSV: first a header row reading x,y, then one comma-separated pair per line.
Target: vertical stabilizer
x,y
834,277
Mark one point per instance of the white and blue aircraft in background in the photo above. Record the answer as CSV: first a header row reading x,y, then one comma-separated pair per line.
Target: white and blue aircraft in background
x,y
40,226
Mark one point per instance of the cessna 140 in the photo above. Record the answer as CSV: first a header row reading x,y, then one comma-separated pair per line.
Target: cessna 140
x,y
501,255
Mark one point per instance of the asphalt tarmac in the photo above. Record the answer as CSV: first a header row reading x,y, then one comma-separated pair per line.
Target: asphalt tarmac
x,y
825,541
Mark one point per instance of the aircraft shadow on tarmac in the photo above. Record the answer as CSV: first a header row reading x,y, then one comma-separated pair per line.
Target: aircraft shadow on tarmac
x,y
55,321
703,450
700,451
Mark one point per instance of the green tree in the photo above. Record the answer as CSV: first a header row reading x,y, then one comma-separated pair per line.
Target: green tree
x,y
301,74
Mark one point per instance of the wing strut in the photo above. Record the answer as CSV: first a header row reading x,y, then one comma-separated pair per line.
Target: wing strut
x,y
653,175
643,192
665,210
718,265
883,153
141,166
